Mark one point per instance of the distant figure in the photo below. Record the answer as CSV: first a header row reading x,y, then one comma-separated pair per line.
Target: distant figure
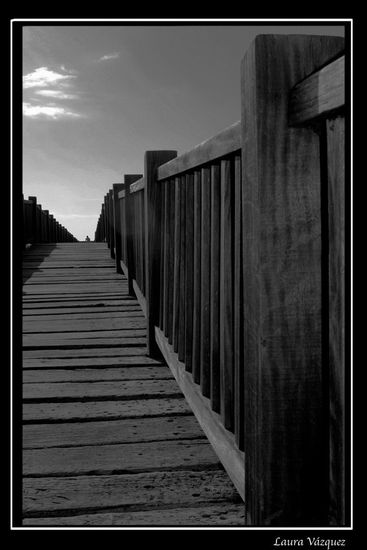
x,y
87,239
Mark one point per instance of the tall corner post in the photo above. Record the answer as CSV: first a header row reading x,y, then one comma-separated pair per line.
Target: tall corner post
x,y
35,227
153,220
129,179
117,187
285,439
111,224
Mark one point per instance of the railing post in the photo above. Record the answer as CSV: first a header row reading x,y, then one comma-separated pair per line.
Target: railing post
x,y
53,222
128,180
285,439
117,224
106,209
39,223
111,223
153,207
47,226
34,219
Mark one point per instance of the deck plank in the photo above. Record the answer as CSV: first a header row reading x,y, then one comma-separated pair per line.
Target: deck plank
x,y
108,437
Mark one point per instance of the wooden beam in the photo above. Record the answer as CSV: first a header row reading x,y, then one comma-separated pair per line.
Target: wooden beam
x,y
318,94
284,409
117,224
228,141
129,180
152,209
222,441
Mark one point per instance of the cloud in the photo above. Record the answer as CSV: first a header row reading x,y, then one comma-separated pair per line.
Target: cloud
x,y
47,111
43,77
114,55
56,94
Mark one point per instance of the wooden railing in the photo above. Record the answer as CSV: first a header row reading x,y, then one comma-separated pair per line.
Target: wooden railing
x,y
39,226
227,248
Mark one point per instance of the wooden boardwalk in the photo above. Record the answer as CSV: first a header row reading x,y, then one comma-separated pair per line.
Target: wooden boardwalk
x,y
108,437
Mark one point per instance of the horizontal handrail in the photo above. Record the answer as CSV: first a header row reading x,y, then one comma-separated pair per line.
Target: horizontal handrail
x,y
318,94
137,186
226,142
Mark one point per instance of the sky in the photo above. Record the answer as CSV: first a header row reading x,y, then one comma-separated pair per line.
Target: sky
x,y
95,98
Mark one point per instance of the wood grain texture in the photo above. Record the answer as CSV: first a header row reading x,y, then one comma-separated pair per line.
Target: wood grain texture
x,y
119,458
176,265
318,94
335,134
226,295
117,221
85,374
215,255
68,392
221,439
238,321
182,287
146,490
189,270
101,410
214,515
227,141
205,284
197,279
282,285
110,432
152,225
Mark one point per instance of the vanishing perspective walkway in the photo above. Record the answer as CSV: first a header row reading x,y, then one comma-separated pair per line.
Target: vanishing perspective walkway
x,y
108,437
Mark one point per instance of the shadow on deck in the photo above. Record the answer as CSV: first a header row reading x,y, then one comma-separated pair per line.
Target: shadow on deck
x,y
108,436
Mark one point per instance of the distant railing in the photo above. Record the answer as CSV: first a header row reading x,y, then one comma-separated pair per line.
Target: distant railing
x,y
39,226
227,248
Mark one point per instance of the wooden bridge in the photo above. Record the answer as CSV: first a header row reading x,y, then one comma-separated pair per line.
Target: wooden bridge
x,y
199,341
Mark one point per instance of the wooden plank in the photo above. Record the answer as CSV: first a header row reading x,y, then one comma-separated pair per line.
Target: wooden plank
x,y
152,226
222,440
129,180
335,134
102,410
205,284
74,343
119,458
319,94
91,391
171,243
197,279
41,376
162,256
141,299
95,335
79,360
159,489
282,293
215,255
238,362
189,270
39,354
85,314
182,288
38,436
225,142
36,326
226,297
138,185
117,221
215,515
176,267
75,304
